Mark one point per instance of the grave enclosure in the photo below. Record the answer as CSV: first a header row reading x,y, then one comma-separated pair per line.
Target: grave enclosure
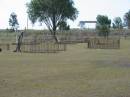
x,y
104,43
41,46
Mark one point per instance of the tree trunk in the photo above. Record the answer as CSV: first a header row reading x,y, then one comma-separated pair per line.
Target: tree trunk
x,y
54,36
128,24
54,28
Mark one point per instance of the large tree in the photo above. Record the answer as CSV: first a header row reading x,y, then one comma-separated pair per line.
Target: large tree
x,y
51,12
103,25
127,19
117,23
13,22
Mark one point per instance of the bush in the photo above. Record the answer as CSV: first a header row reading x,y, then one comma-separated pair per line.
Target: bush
x,y
0,50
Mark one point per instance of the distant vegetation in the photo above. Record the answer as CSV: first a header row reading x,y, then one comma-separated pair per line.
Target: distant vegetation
x,y
127,19
117,23
13,22
103,25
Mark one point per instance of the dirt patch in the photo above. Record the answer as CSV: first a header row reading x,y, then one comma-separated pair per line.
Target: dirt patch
x,y
114,63
124,63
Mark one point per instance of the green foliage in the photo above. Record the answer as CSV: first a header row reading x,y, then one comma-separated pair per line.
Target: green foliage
x,y
127,19
103,25
51,12
13,22
117,23
63,26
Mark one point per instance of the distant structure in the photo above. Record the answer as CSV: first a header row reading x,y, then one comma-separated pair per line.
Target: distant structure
x,y
82,23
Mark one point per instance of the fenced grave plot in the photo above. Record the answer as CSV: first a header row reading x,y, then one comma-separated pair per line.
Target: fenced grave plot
x,y
104,43
41,46
4,46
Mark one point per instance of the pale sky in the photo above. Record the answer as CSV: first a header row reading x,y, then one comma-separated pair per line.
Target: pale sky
x,y
88,10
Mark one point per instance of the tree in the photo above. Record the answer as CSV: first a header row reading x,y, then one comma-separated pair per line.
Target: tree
x,y
63,26
103,25
19,43
13,22
117,23
127,19
51,12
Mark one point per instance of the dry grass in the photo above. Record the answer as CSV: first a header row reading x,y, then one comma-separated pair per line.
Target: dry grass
x,y
78,72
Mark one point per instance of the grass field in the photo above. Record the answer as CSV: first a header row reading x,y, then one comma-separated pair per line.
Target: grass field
x,y
77,72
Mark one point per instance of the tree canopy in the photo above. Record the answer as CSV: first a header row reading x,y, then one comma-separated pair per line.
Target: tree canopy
x,y
13,22
117,23
51,12
103,25
127,19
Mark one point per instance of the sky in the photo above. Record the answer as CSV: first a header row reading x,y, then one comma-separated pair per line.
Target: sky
x,y
88,11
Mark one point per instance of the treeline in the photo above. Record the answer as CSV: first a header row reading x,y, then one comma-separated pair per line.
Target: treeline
x,y
55,13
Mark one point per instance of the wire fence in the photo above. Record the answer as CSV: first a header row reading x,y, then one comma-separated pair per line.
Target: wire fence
x,y
41,46
104,43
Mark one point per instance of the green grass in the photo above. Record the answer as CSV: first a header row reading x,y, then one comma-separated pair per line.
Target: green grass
x,y
78,72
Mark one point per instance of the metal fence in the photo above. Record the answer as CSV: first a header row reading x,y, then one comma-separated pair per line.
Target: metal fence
x,y
41,46
104,43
